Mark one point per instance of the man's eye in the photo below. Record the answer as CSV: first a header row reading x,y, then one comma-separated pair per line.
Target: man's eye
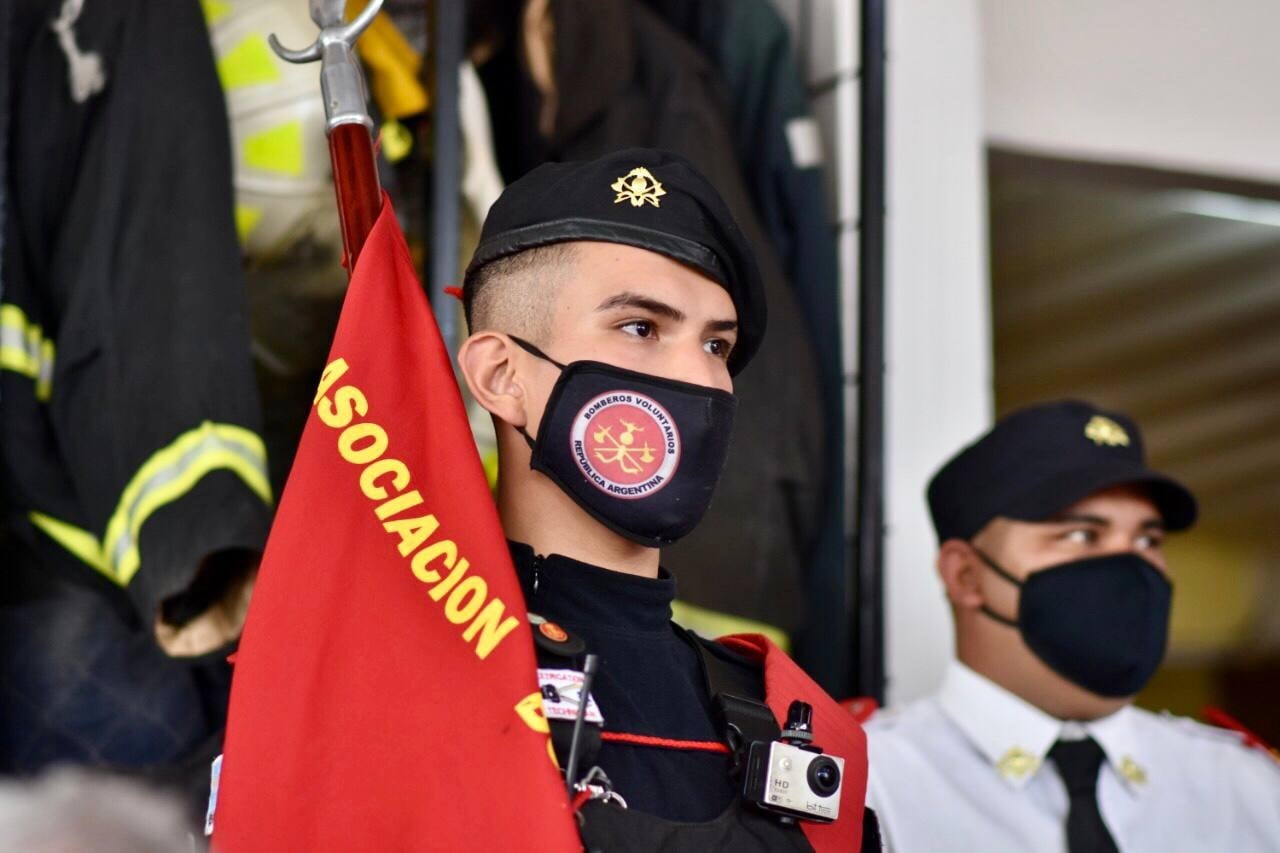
x,y
1081,536
639,328
1148,541
718,347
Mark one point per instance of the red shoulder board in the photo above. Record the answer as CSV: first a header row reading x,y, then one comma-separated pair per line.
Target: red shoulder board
x,y
835,729
1220,718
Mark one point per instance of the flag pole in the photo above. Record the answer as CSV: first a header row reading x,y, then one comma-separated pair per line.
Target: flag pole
x,y
348,126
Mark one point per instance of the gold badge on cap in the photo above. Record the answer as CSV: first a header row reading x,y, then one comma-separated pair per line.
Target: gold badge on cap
x,y
638,186
1102,431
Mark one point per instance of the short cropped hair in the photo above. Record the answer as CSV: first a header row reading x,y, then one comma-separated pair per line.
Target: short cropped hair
x,y
515,294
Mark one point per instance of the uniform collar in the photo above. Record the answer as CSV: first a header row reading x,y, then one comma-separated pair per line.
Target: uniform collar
x,y
1118,737
1015,736
586,597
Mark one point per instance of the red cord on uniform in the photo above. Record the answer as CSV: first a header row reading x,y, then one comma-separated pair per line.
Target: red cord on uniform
x,y
665,742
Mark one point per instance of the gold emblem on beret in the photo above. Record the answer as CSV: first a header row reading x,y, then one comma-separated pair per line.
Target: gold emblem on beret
x,y
1102,431
638,186
1017,763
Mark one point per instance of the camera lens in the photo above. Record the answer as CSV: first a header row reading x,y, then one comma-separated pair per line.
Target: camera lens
x,y
824,776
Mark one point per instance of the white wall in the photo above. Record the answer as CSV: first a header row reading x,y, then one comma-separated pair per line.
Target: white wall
x,y
939,381
1183,84
940,388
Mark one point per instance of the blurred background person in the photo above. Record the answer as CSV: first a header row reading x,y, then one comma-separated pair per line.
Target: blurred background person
x,y
1051,530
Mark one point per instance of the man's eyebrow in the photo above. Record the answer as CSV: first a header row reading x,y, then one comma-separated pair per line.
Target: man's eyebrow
x,y
1079,518
722,326
1086,518
644,303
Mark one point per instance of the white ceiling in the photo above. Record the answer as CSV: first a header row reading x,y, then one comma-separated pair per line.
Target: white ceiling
x,y
1184,84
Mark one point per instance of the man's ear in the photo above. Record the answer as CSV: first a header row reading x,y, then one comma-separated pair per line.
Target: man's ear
x,y
958,567
487,366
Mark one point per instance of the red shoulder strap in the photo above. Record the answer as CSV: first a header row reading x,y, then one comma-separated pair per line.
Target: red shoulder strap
x,y
1220,718
835,730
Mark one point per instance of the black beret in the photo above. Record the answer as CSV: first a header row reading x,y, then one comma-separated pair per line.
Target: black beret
x,y
641,197
1041,459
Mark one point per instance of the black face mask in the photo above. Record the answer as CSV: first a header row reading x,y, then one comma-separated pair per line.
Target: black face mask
x,y
639,453
1101,622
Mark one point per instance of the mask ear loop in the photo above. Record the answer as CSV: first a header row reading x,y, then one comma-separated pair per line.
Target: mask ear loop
x,y
536,353
1003,573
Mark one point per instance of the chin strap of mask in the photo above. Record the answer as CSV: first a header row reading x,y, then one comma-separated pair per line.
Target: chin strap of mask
x,y
1003,573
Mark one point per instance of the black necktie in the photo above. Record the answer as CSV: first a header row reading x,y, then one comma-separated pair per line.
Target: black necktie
x,y
1078,764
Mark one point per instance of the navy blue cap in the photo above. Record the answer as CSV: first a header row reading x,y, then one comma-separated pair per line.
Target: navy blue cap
x,y
1039,460
640,197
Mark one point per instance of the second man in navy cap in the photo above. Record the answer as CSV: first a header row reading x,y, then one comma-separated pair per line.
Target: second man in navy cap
x,y
1050,533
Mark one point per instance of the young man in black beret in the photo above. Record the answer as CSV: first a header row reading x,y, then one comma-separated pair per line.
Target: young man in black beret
x,y
611,303
1050,529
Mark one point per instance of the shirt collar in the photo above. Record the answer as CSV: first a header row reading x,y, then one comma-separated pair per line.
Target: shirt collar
x,y
1011,733
1118,736
1015,736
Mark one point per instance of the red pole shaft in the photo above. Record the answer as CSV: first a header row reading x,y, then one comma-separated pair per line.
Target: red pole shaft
x,y
355,181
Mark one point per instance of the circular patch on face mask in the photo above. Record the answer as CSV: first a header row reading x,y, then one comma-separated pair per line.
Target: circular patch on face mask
x,y
626,444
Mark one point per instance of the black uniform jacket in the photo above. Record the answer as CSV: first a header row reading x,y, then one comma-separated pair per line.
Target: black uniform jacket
x,y
649,683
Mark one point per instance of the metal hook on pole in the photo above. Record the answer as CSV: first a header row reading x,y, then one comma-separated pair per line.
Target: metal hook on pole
x,y
341,81
347,121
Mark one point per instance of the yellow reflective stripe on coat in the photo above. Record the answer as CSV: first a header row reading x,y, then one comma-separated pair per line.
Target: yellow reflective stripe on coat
x,y
82,543
164,478
25,350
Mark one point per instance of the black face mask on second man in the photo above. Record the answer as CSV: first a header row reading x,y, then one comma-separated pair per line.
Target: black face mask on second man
x,y
639,453
1101,622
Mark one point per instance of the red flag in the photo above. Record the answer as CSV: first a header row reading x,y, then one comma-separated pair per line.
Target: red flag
x,y
834,728
385,695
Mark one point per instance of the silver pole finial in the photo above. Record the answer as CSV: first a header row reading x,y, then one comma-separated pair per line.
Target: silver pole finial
x,y
341,81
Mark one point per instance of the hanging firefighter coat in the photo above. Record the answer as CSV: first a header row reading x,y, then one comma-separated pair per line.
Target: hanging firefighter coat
x,y
129,446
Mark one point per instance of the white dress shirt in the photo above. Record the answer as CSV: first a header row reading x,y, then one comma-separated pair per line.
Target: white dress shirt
x,y
968,769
